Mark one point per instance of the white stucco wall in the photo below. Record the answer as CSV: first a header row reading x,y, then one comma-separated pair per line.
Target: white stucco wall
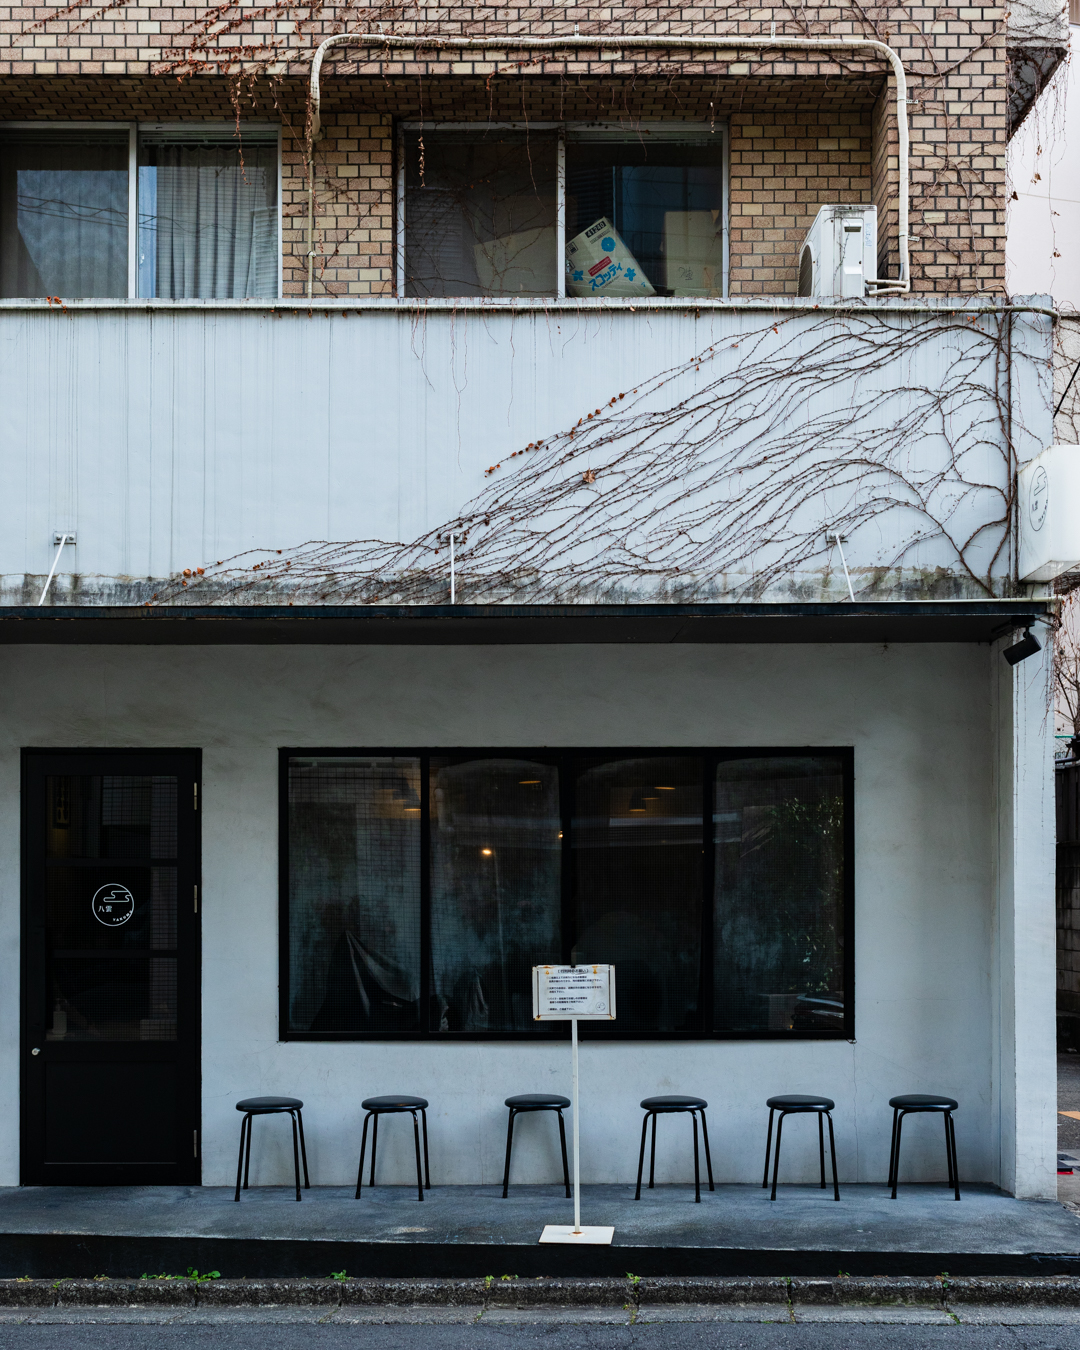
x,y
921,719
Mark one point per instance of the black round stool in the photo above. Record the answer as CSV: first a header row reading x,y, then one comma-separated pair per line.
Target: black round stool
x,y
536,1101
669,1106
917,1103
392,1106
798,1105
270,1106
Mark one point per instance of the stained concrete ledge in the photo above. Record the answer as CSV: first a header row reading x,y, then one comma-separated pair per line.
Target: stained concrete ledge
x,y
943,1293
468,1233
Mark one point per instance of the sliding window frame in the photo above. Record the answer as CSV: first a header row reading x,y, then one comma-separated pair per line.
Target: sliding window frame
x,y
564,759
668,129
224,131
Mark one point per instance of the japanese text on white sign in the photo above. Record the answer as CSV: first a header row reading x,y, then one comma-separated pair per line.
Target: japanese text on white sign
x,y
562,992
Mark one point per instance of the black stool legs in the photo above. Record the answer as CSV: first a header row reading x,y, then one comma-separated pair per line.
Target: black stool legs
x,y
652,1154
243,1164
423,1181
514,1111
798,1111
899,1113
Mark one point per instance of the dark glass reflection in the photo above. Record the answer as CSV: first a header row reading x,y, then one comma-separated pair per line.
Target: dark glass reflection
x,y
64,214
664,199
495,892
480,213
354,895
110,908
637,869
779,915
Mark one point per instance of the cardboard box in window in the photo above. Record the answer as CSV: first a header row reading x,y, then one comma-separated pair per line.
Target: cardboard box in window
x,y
517,264
693,253
599,263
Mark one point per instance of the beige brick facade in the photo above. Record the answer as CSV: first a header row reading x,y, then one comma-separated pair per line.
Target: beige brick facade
x,y
803,131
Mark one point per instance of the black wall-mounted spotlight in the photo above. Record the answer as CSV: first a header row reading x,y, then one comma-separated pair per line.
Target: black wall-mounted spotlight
x,y
1020,651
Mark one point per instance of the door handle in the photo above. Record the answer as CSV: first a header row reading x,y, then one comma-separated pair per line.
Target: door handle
x,y
35,1051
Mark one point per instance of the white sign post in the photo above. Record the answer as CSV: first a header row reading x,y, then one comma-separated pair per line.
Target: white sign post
x,y
561,994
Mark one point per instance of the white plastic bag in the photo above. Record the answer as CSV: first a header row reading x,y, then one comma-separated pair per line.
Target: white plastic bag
x,y
599,263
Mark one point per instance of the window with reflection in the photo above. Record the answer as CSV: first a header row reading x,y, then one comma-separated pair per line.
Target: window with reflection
x,y
354,895
495,889
64,213
637,871
780,867
420,888
480,212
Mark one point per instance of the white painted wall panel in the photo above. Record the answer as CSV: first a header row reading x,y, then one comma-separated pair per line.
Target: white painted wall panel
x,y
174,437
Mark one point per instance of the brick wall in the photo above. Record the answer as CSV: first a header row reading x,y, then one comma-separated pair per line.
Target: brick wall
x,y
804,130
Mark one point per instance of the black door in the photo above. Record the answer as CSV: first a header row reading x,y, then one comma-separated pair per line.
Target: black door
x,y
110,941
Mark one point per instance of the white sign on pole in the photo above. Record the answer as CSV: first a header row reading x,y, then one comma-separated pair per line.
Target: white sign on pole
x,y
565,994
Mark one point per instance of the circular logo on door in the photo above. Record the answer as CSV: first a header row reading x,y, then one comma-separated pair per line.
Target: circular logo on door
x,y
1040,498
113,905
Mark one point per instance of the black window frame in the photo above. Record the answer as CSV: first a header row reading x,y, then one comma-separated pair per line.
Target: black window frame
x,y
563,757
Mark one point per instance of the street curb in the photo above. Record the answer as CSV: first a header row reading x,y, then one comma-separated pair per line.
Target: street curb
x,y
511,1292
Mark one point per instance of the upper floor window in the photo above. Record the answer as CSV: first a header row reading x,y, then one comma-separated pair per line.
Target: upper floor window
x,y
562,211
184,212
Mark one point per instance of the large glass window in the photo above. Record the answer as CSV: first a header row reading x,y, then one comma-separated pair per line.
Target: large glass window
x,y
641,208
64,213
206,223
419,890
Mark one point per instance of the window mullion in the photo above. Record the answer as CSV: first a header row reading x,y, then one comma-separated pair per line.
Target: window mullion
x,y
560,215
708,889
566,807
425,896
133,210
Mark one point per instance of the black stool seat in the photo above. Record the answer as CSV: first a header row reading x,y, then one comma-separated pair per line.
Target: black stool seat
x,y
262,1106
662,1104
799,1104
527,1102
271,1106
919,1103
396,1104
793,1104
666,1106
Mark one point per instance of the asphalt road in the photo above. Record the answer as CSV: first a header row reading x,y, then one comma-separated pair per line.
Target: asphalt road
x,y
544,1336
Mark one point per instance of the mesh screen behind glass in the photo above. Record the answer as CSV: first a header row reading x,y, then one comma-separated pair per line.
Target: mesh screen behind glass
x,y
637,865
495,889
779,910
354,894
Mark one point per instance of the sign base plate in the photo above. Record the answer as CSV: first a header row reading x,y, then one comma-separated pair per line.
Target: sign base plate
x,y
588,1237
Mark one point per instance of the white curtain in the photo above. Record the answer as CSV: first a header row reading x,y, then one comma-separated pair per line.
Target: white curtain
x,y
214,221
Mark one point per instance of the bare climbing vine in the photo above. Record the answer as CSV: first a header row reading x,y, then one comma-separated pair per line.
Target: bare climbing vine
x,y
715,479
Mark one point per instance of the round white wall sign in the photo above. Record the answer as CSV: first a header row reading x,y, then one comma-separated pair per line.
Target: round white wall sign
x,y
1040,498
113,905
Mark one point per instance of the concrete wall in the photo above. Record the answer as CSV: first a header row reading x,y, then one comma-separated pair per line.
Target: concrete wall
x,y
170,436
928,1012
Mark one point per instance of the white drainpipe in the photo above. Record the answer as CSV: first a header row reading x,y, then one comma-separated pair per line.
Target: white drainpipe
x,y
612,42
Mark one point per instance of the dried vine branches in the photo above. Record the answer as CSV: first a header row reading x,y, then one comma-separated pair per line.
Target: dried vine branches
x,y
717,478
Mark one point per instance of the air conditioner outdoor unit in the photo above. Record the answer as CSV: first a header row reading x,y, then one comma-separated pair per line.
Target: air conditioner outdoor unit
x,y
1048,491
839,253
